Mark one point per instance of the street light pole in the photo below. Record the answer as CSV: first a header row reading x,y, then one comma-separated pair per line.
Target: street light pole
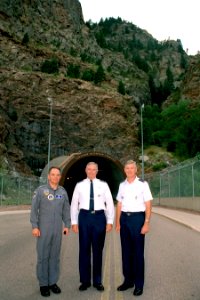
x,y
141,108
50,120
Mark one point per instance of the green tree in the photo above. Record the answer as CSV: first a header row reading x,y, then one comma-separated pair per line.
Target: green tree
x,y
50,66
100,38
188,140
141,63
99,75
25,39
73,71
88,75
172,131
121,88
169,82
152,122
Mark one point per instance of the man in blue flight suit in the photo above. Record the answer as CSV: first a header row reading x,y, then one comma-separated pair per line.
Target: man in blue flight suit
x,y
50,209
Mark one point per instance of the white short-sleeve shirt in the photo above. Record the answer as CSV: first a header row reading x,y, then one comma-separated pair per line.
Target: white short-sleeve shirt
x,y
134,195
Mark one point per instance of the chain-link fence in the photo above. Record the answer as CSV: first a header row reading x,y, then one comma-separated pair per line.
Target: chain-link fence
x,y
179,181
16,190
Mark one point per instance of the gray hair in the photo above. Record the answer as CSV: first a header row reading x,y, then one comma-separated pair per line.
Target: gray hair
x,y
130,162
92,163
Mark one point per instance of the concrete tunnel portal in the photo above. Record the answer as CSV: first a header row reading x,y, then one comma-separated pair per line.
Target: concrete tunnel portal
x,y
73,170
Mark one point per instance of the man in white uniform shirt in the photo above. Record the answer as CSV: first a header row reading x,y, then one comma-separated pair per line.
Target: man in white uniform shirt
x,y
92,223
132,221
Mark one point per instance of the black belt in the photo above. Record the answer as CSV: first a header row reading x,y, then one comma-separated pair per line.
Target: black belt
x,y
96,212
130,213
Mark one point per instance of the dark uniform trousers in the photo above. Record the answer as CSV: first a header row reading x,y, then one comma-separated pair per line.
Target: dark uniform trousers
x,y
132,243
92,230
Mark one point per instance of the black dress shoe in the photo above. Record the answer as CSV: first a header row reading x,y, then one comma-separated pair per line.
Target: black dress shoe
x,y
84,286
44,291
99,287
55,289
138,292
125,286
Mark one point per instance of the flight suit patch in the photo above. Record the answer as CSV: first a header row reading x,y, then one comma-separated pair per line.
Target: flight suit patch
x,y
50,197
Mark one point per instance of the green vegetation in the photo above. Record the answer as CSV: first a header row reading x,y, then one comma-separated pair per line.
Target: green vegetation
x,y
88,75
159,93
73,71
121,88
159,166
175,128
50,66
25,39
99,75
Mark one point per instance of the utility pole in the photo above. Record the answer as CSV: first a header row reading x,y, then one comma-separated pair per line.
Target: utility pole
x,y
142,145
50,121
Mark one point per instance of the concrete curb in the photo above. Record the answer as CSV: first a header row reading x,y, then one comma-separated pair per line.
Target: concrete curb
x,y
187,219
13,212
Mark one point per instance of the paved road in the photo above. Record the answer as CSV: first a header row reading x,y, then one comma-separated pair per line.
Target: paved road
x,y
172,263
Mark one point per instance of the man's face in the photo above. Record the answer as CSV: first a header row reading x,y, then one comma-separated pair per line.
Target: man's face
x,y
130,170
91,171
54,176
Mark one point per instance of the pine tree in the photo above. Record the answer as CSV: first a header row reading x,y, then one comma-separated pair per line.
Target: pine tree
x,y
121,88
99,75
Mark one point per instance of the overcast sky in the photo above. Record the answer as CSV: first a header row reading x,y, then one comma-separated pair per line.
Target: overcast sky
x,y
174,19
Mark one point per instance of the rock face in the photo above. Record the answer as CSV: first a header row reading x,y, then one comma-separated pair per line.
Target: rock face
x,y
191,84
85,116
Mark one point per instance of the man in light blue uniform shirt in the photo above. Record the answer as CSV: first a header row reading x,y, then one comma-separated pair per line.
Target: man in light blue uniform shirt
x,y
132,221
91,224
50,209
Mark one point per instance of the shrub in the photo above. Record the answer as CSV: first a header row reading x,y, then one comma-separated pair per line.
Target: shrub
x,y
73,71
121,88
50,66
88,75
25,39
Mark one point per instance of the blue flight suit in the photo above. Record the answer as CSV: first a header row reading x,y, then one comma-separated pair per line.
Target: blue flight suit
x,y
50,209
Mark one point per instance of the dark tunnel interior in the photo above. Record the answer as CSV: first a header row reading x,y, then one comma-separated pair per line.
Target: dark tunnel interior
x,y
109,171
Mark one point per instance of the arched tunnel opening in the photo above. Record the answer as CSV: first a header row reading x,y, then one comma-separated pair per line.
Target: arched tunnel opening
x,y
73,171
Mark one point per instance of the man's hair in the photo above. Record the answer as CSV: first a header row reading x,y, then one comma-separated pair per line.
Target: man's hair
x,y
92,163
54,167
130,162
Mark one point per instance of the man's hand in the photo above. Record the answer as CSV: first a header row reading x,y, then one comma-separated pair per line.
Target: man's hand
x,y
117,227
145,228
65,230
108,227
36,232
75,228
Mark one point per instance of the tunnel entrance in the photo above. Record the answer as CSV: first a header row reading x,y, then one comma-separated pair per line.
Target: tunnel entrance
x,y
73,170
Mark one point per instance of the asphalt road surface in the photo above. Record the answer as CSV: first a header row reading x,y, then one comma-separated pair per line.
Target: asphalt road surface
x,y
172,263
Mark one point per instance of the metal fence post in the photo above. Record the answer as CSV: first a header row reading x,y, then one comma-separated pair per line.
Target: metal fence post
x,y
18,190
192,180
1,189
